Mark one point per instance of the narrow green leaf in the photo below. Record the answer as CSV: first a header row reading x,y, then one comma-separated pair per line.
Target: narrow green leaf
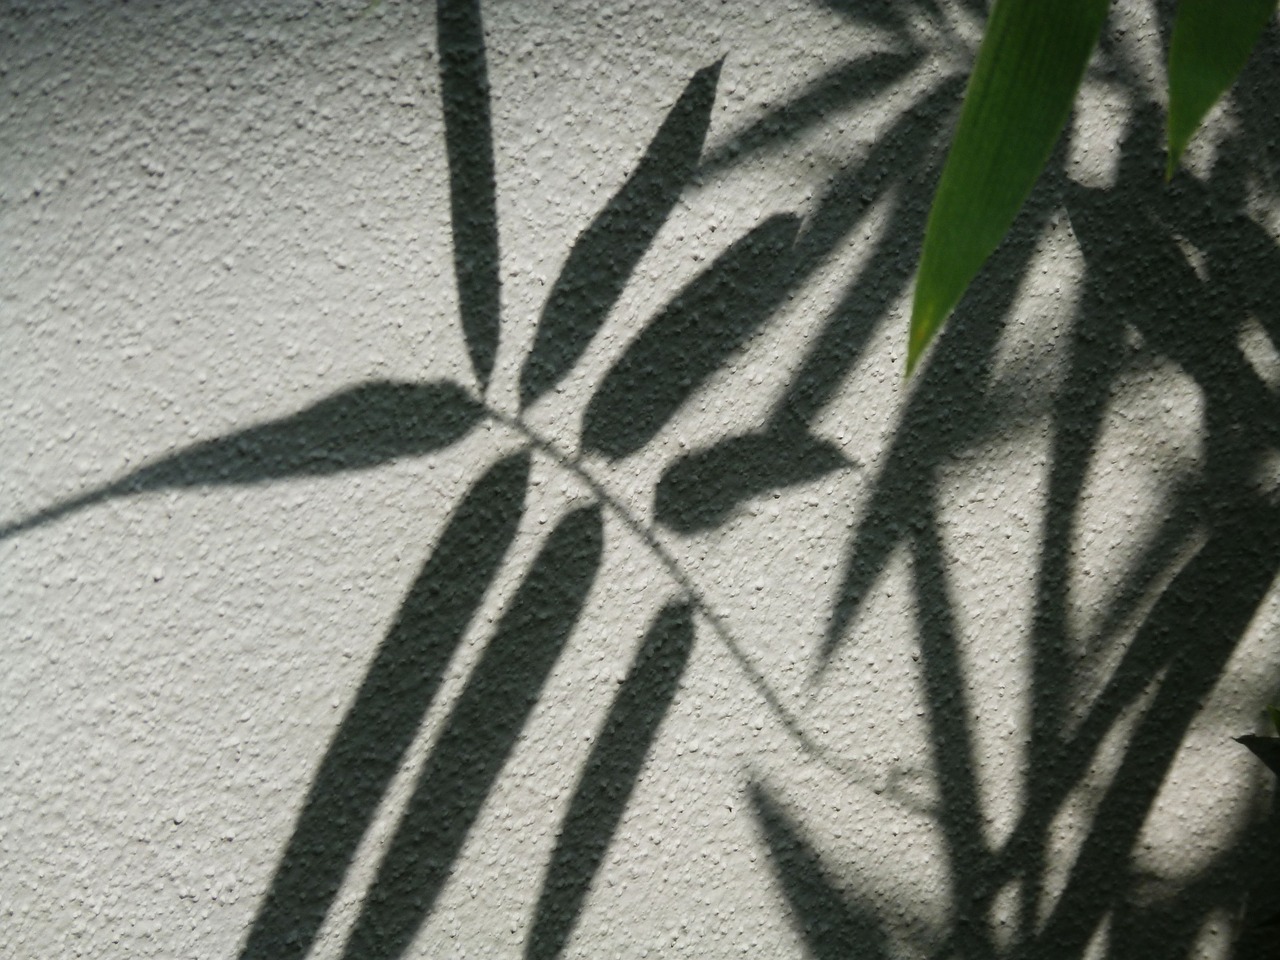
x,y
1211,42
1020,94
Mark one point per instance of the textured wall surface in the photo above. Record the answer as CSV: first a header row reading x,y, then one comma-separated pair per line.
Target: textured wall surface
x,y
688,630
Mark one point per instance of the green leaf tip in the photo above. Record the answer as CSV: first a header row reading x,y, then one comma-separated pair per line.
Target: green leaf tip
x,y
1030,64
1211,43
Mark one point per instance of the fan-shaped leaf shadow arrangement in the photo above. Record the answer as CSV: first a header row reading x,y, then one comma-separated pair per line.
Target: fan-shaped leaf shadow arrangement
x,y
1178,611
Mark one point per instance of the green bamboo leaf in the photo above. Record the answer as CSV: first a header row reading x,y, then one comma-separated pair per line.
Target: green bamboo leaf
x,y
1029,66
1211,42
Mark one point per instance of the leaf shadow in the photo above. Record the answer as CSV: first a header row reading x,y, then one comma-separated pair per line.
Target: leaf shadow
x,y
468,134
397,691
833,924
605,255
478,736
609,778
707,321
358,428
703,488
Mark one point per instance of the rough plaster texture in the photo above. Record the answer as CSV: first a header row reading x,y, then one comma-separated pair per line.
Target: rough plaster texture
x,y
214,216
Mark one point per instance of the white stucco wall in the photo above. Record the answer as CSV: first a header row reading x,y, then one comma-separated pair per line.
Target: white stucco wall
x,y
216,215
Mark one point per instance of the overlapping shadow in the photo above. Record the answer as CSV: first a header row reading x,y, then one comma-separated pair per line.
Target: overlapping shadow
x,y
1199,578
1197,583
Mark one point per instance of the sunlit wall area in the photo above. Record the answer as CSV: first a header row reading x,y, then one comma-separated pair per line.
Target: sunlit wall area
x,y
459,493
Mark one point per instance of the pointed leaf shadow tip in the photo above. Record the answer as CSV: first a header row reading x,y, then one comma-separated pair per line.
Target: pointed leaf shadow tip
x,y
605,255
709,320
360,427
356,428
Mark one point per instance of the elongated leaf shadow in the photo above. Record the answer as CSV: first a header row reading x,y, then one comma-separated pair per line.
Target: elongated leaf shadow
x,y
394,696
605,255
845,86
1183,644
833,924
1201,618
949,708
703,488
358,428
688,341
468,134
477,738
609,778
929,436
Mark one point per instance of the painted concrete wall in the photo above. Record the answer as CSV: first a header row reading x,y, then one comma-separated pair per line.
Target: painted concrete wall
x,y
722,642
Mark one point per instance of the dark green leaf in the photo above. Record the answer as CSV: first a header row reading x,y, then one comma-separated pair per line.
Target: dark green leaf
x,y
604,257
609,778
478,737
708,320
1032,58
1211,42
381,723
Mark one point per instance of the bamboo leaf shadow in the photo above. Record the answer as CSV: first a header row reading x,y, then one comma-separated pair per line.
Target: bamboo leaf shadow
x,y
833,928
367,425
477,738
1200,619
468,134
606,254
856,81
380,725
697,332
701,489
609,778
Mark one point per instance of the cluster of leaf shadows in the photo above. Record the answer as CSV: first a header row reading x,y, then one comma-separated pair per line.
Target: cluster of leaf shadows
x,y
1180,609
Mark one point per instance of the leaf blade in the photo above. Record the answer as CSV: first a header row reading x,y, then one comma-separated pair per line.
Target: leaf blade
x,y
607,252
1031,61
1211,42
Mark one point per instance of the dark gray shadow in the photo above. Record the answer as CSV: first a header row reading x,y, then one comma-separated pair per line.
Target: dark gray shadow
x,y
857,81
708,321
832,923
605,255
356,429
478,736
468,134
393,699
609,777
704,488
